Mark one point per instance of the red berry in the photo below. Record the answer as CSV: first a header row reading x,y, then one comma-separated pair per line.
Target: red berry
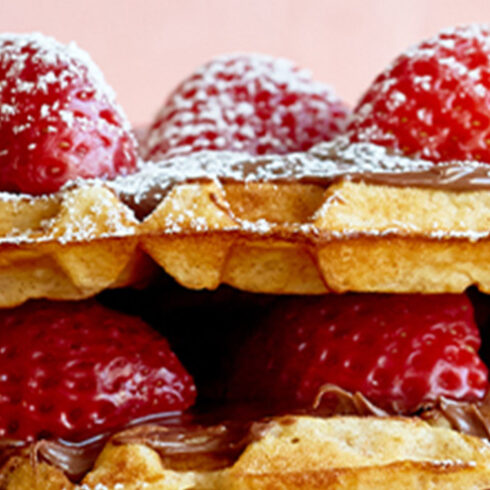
x,y
58,118
400,351
251,103
73,370
434,100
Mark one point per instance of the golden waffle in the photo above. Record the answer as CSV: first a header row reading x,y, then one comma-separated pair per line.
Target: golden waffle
x,y
334,219
68,245
292,226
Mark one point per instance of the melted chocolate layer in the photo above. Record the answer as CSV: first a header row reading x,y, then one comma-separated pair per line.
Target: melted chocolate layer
x,y
322,165
215,439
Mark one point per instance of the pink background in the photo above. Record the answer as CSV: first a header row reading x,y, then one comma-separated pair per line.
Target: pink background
x,y
145,47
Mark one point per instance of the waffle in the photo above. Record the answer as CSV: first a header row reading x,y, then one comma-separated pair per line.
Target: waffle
x,y
65,246
292,226
338,218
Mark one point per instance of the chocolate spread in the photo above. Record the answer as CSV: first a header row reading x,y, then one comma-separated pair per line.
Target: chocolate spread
x,y
215,438
322,165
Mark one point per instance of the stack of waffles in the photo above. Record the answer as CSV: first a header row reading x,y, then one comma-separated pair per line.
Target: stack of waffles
x,y
360,242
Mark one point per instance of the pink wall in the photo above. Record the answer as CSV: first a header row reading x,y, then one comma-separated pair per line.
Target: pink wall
x,y
146,46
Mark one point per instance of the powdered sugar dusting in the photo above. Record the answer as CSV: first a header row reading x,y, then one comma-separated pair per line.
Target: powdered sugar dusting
x,y
326,162
118,221
245,102
433,100
58,66
72,220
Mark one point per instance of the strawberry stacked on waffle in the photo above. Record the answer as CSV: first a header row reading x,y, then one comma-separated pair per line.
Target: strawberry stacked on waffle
x,y
235,191
71,370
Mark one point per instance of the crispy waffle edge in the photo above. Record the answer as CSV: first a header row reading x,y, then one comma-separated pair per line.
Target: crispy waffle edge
x,y
261,237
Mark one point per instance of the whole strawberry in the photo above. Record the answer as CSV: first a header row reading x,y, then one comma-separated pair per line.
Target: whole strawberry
x,y
73,370
434,100
251,103
400,351
58,118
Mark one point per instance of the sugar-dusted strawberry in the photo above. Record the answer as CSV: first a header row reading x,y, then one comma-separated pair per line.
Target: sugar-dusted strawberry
x,y
58,118
251,103
400,351
434,100
72,370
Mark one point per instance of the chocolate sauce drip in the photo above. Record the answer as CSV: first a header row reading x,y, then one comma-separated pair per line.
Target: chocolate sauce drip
x,y
322,165
196,447
337,401
469,418
215,439
75,460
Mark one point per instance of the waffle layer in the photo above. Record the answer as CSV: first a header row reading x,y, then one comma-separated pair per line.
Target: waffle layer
x,y
356,219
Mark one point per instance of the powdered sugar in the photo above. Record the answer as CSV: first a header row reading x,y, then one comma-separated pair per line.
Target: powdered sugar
x,y
246,102
71,217
325,162
58,66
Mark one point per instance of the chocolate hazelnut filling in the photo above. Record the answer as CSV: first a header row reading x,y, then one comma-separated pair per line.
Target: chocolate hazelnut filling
x,y
212,439
322,165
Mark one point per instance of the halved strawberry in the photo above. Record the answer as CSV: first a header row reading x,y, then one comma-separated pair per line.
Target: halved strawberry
x,y
73,370
400,351
433,101
58,118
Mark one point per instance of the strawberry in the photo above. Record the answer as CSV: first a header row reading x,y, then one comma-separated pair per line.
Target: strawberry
x,y
400,351
433,101
251,103
58,118
73,370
